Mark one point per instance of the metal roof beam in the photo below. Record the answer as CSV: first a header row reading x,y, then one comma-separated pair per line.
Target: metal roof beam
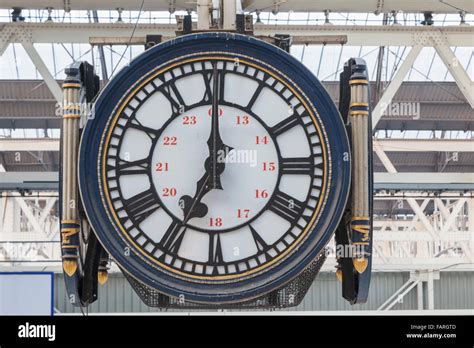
x,y
38,144
456,69
424,178
426,145
357,35
411,201
44,71
360,6
394,85
376,35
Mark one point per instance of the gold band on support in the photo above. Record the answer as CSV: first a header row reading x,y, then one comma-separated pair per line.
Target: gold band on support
x,y
359,113
71,85
360,218
361,228
358,82
70,221
72,107
71,116
70,229
359,104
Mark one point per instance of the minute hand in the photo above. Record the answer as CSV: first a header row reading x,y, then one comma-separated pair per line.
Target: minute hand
x,y
215,143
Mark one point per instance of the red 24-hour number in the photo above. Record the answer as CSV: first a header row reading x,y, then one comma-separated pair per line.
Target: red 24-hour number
x,y
217,222
261,140
162,167
269,166
189,120
209,112
243,213
169,192
242,120
170,141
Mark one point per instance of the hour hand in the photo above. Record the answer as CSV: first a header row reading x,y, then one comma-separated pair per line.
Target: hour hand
x,y
193,209
192,206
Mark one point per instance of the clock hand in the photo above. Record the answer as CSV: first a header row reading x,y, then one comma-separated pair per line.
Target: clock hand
x,y
192,206
215,143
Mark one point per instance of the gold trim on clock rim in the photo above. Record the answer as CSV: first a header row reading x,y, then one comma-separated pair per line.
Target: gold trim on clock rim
x,y
111,207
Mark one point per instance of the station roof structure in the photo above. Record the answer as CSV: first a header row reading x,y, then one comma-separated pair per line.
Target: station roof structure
x,y
361,6
436,137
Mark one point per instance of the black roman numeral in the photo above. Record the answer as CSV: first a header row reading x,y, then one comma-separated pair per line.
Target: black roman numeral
x,y
151,132
134,123
285,125
255,96
286,206
207,76
298,165
215,250
140,206
130,168
259,242
221,77
173,237
174,97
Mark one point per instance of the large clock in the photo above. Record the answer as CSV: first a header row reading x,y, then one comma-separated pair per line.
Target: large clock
x,y
214,167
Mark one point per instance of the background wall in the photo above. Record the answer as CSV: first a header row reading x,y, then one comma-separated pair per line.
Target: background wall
x,y
454,290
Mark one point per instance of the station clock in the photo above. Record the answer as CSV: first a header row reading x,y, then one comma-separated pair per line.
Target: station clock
x,y
214,167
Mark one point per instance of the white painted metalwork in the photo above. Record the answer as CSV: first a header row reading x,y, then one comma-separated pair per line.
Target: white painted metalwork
x,y
408,239
394,85
460,75
204,8
357,35
424,282
43,70
252,5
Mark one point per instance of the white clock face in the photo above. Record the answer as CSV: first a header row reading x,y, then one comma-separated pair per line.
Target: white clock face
x,y
214,178
179,166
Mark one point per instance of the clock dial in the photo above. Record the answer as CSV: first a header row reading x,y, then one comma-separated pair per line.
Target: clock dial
x,y
270,183
216,167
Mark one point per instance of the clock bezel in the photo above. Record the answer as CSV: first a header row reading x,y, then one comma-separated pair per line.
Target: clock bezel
x,y
124,78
